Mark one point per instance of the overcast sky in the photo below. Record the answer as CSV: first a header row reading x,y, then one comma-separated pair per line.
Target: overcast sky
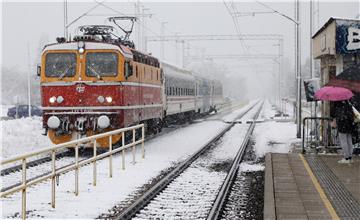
x,y
27,26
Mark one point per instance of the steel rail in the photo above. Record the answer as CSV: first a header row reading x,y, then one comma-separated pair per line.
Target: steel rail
x,y
145,199
230,177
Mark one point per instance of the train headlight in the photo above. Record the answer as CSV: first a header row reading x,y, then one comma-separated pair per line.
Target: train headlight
x,y
103,121
101,99
52,99
60,99
81,45
53,122
109,99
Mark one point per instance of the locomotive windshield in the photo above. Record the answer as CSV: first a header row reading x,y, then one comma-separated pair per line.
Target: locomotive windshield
x,y
101,64
60,65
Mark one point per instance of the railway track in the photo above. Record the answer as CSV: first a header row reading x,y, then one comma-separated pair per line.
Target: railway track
x,y
11,176
231,178
188,191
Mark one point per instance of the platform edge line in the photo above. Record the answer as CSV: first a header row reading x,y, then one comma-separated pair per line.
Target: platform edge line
x,y
320,190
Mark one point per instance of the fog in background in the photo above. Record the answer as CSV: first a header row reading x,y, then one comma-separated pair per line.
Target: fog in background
x,y
28,26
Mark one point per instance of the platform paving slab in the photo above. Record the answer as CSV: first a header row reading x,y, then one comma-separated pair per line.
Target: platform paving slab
x,y
290,190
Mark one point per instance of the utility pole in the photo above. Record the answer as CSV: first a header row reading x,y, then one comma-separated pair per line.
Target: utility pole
x,y
162,41
29,81
183,53
298,70
138,26
65,20
280,70
312,106
176,49
143,34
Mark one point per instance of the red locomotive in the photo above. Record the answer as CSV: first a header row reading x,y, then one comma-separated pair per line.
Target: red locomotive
x,y
95,83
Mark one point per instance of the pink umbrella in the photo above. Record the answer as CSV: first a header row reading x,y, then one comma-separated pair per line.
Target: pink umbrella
x,y
332,93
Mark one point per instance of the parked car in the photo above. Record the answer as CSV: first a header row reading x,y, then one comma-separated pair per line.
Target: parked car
x,y
23,111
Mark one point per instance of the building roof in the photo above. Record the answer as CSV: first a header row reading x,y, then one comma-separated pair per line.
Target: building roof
x,y
331,19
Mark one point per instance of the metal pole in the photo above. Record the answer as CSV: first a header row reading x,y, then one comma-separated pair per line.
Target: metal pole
x,y
176,49
138,27
279,75
298,69
23,191
110,157
143,32
133,147
77,170
65,20
123,151
162,54
142,143
29,83
53,179
94,168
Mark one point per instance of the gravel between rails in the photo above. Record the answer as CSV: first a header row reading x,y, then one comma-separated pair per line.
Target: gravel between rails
x,y
245,200
190,196
192,193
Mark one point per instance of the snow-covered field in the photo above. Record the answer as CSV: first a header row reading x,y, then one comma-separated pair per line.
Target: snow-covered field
x,y
162,152
22,135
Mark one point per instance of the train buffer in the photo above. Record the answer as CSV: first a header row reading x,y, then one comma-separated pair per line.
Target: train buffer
x,y
301,186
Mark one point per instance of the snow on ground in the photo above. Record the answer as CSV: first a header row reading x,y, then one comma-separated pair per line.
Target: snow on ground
x,y
247,167
22,135
232,116
4,110
161,153
272,136
267,112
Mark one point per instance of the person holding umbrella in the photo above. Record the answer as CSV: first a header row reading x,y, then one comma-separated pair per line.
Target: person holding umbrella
x,y
344,117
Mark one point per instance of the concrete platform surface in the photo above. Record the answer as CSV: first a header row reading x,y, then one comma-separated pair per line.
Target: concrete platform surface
x,y
311,187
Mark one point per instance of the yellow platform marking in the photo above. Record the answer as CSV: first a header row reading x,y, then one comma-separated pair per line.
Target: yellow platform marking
x,y
321,192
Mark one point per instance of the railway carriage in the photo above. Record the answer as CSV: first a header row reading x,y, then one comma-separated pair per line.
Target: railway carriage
x,y
179,90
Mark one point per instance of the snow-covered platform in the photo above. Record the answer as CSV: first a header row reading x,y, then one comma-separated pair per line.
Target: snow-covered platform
x,y
311,187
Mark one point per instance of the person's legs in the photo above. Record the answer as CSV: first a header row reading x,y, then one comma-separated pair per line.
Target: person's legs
x,y
343,144
349,146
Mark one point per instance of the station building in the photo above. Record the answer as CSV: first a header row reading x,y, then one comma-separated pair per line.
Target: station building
x,y
337,45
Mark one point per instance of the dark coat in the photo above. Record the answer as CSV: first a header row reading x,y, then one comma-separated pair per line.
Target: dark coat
x,y
344,116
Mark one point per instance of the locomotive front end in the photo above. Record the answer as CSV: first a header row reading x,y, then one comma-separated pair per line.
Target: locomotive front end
x,y
81,90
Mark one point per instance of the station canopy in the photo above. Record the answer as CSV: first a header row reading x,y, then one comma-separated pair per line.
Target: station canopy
x,y
349,78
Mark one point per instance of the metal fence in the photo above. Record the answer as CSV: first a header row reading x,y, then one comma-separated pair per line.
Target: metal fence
x,y
77,164
318,133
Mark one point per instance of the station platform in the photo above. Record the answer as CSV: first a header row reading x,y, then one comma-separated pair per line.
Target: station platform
x,y
311,187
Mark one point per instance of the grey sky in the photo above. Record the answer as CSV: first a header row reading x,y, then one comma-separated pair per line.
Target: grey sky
x,y
33,24
25,23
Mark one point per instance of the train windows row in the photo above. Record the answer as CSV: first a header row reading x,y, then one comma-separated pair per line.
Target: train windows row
x,y
175,91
